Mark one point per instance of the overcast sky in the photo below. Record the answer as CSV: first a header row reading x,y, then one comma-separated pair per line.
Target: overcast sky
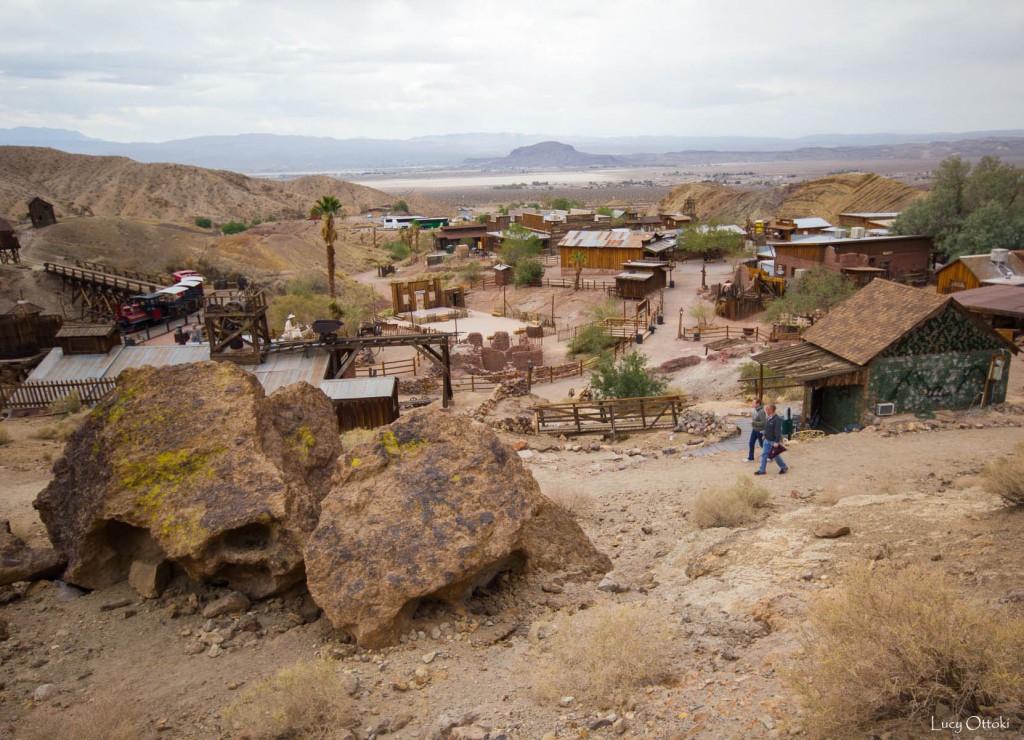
x,y
141,71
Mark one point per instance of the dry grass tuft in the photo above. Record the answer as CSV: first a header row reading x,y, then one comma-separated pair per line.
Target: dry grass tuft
x,y
891,645
104,718
69,404
306,700
729,507
572,500
605,654
1005,477
355,437
5,437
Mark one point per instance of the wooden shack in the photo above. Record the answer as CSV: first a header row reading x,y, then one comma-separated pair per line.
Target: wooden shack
x,y
41,213
890,349
603,250
363,403
502,274
657,268
998,267
634,285
88,339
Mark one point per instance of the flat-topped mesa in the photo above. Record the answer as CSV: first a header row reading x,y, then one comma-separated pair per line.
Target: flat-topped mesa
x,y
194,464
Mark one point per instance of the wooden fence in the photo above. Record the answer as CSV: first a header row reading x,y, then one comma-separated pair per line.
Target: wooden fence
x,y
711,333
409,366
42,394
612,415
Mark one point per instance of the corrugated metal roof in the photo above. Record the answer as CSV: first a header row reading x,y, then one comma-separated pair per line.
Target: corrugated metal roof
x,y
55,366
813,222
635,276
284,369
803,362
86,330
164,356
348,389
886,214
612,239
1007,300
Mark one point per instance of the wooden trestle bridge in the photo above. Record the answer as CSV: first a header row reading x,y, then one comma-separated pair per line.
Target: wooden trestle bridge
x,y
99,290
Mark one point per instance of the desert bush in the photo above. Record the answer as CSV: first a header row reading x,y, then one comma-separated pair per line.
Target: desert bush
x,y
703,312
626,378
355,437
528,271
397,250
592,339
605,654
1005,477
203,222
104,718
571,500
729,507
69,404
890,645
233,227
306,700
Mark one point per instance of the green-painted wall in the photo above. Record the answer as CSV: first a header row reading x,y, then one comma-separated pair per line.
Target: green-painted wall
x,y
841,406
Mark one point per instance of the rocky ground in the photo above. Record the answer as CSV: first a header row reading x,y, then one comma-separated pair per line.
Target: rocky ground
x,y
734,598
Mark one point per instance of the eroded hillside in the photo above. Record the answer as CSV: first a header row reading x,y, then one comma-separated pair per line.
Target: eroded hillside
x,y
826,197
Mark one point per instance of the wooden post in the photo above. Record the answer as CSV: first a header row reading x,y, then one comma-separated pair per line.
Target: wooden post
x,y
759,389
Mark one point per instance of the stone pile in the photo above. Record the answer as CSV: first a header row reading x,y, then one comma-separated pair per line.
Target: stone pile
x,y
705,424
471,355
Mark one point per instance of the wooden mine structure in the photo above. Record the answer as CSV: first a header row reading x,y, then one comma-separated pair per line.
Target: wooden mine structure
x,y
416,295
41,213
9,245
99,290
236,325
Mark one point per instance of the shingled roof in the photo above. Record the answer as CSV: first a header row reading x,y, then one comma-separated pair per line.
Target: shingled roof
x,y
873,318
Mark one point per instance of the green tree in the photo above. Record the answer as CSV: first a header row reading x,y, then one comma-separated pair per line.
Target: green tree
x,y
326,208
518,243
626,378
203,222
400,206
820,289
705,240
564,204
233,227
528,271
969,210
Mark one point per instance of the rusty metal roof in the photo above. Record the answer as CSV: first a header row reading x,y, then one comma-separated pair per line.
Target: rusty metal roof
x,y
86,330
1004,300
613,239
983,268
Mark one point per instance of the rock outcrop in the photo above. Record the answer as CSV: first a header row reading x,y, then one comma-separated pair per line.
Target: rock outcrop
x,y
433,507
193,464
19,562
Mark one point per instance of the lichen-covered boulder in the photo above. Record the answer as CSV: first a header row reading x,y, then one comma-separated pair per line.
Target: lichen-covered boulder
x,y
194,464
433,507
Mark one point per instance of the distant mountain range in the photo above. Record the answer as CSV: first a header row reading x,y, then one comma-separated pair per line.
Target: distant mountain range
x,y
270,153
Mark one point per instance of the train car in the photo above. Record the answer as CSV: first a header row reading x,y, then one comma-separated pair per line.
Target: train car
x,y
172,302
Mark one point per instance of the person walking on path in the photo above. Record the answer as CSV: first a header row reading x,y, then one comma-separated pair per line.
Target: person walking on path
x,y
757,428
772,439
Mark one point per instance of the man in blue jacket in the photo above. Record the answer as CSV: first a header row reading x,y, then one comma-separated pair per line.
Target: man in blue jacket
x,y
772,439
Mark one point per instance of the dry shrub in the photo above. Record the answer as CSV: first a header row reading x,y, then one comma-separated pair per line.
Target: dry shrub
x,y
355,437
729,507
104,718
891,645
572,500
5,437
1005,477
306,700
605,654
69,404
47,432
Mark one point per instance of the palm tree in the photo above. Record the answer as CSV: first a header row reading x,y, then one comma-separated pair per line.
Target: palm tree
x,y
577,259
326,208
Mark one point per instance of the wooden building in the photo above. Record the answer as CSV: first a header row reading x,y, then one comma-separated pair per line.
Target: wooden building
x,y
41,213
901,258
675,220
417,295
10,248
88,339
889,349
448,236
658,268
998,267
1002,306
502,274
634,285
363,403
604,250
880,220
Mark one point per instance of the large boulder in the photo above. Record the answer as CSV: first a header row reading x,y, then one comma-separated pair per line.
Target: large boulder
x,y
433,507
194,464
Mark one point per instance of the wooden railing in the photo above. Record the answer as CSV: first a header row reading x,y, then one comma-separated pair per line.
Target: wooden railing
x,y
132,274
711,333
42,394
612,415
409,366
107,280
